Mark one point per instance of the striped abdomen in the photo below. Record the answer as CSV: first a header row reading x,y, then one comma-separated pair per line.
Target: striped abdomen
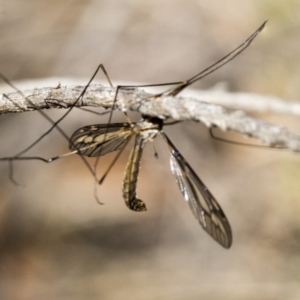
x,y
131,175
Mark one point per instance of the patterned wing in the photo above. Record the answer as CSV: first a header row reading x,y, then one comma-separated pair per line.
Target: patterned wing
x,y
202,203
100,139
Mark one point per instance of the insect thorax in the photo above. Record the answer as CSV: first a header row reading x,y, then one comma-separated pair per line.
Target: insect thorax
x,y
148,127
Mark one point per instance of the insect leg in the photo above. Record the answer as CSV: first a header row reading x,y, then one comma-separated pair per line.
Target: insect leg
x,y
54,124
183,85
113,163
227,58
219,139
101,180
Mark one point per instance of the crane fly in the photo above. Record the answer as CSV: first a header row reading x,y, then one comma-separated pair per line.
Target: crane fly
x,y
100,139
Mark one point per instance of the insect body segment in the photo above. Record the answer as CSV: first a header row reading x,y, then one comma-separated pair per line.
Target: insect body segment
x,y
100,139
133,165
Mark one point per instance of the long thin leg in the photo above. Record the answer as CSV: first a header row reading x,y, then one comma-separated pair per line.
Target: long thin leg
x,y
43,114
183,84
40,111
118,88
64,115
230,56
101,180
54,124
239,143
46,160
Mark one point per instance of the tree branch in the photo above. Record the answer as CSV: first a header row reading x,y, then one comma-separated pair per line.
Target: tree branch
x,y
250,102
177,108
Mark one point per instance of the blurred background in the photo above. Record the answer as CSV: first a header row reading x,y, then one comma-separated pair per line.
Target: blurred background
x,y
56,242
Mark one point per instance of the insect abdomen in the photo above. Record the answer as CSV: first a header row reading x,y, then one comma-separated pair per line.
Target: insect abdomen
x,y
131,176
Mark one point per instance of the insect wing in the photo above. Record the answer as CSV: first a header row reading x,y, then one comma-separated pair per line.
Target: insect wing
x,y
100,139
202,203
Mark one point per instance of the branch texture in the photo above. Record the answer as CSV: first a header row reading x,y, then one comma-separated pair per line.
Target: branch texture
x,y
177,108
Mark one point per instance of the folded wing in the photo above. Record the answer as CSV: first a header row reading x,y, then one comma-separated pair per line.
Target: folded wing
x,y
202,203
100,139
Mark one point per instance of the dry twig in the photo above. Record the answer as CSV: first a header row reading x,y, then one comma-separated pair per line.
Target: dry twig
x,y
177,108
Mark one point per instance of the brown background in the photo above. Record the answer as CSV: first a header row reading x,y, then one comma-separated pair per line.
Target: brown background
x,y
56,242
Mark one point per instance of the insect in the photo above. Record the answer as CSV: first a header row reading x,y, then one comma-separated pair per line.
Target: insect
x,y
100,139
104,138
